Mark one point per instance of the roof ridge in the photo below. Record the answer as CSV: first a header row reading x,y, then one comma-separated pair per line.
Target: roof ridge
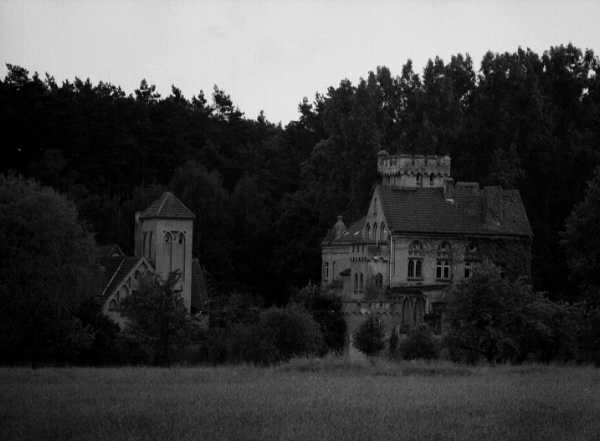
x,y
164,198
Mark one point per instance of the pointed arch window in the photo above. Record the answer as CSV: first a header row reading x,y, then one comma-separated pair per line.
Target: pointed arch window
x,y
355,283
419,180
368,231
168,238
415,260
375,232
382,233
431,180
362,282
471,257
443,269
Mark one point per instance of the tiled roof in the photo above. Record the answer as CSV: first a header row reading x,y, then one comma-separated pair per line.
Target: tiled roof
x,y
426,210
351,235
167,206
116,269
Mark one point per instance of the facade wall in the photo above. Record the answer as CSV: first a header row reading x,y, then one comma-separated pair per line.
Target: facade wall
x,y
400,258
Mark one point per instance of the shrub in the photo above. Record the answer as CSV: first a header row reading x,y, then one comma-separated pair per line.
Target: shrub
x,y
293,332
369,337
419,343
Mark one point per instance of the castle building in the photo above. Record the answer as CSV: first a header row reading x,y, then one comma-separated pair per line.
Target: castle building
x,y
421,233
163,244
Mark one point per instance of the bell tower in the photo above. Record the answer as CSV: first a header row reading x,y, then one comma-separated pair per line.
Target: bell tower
x,y
164,236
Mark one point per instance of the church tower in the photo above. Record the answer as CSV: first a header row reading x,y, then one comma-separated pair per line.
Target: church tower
x,y
164,236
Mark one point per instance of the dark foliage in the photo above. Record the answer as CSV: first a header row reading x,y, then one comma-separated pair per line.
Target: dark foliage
x,y
369,338
419,344
522,119
157,320
46,274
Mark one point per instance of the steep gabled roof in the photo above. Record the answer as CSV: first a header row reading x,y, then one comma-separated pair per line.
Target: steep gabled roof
x,y
351,235
117,269
426,210
167,206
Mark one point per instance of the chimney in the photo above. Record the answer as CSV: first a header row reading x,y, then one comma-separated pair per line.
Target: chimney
x,y
493,205
449,189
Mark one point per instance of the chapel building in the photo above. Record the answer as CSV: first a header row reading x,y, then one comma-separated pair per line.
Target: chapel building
x,y
163,243
421,233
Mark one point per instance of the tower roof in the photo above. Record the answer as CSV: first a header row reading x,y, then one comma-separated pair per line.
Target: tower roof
x,y
167,206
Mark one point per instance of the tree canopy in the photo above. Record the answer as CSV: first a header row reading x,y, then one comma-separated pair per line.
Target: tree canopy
x,y
266,194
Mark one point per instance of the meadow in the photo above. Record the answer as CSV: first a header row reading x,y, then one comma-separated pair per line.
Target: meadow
x,y
302,400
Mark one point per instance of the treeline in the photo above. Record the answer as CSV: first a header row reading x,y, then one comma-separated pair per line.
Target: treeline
x,y
264,195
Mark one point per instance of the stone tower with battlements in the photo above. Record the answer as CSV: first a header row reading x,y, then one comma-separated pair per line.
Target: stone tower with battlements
x,y
413,171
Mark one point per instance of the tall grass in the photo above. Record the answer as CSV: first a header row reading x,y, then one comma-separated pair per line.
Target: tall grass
x,y
329,399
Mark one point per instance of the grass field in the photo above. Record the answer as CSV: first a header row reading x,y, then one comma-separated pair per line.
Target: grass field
x,y
304,400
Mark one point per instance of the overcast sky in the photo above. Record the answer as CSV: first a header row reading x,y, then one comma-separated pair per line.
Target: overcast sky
x,y
268,55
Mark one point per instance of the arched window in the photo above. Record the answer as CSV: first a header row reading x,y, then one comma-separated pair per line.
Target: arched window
x,y
361,282
168,238
471,256
375,232
379,280
419,180
326,271
431,180
368,231
355,282
382,233
444,258
406,315
415,260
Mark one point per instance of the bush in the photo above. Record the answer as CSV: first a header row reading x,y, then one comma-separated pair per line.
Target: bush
x,y
292,331
325,306
419,343
369,337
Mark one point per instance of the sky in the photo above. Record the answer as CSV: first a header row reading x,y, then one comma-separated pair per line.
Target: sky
x,y
270,54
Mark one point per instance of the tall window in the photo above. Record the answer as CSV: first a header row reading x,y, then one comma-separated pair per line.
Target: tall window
x,y
442,267
415,260
468,269
361,282
368,232
419,180
471,256
169,247
382,233
379,280
355,282
431,180
326,271
375,232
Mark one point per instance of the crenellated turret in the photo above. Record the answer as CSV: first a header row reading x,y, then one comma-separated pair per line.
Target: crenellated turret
x,y
410,171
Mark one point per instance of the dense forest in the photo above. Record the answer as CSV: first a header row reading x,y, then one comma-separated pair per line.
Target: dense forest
x,y
264,195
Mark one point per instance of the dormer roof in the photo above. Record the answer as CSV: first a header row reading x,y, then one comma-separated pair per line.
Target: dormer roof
x,y
168,206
